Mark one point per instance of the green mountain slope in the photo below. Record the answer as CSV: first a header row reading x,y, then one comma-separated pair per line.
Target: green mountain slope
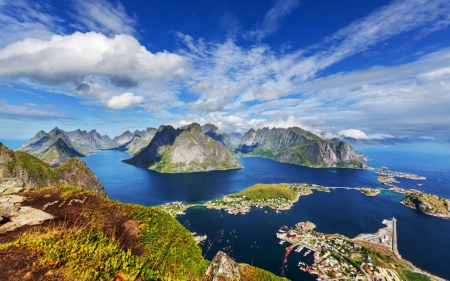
x,y
35,173
297,146
57,146
184,150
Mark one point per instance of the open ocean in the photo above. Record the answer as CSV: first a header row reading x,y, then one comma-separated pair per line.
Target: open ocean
x,y
422,239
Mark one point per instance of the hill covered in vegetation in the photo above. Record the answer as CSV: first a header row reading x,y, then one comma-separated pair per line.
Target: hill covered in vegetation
x,y
95,238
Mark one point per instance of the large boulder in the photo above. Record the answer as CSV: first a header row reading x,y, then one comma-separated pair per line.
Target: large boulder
x,y
222,267
11,185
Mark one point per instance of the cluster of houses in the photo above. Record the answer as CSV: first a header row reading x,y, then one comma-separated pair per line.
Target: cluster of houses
x,y
388,173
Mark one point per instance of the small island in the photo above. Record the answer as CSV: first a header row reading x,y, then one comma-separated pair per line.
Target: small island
x,y
369,191
384,179
428,204
387,177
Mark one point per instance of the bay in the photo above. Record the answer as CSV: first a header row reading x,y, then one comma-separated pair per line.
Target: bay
x,y
423,239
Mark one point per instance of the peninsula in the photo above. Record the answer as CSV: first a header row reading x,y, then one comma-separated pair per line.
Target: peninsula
x,y
278,196
336,257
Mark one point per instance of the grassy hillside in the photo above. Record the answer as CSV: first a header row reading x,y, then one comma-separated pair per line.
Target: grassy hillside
x,y
96,238
267,191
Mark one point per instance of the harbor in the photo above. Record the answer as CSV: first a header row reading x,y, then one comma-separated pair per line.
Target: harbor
x,y
336,257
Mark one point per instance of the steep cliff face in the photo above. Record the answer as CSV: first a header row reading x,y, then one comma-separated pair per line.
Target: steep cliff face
x,y
124,138
36,174
227,140
297,146
154,152
248,142
189,150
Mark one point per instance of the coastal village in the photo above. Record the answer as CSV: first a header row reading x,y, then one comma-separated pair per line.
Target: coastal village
x,y
339,258
240,204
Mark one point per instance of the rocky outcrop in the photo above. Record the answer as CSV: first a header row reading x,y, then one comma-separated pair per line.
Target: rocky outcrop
x,y
74,172
297,146
25,216
35,173
9,202
222,267
11,185
184,150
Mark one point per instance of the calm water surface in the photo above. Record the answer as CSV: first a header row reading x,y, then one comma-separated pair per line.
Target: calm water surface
x,y
424,240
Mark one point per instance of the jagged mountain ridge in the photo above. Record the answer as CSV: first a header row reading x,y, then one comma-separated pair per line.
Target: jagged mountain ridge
x,y
184,150
35,173
297,146
58,146
134,142
53,148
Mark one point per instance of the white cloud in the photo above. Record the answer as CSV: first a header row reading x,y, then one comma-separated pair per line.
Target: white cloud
x,y
29,112
102,16
67,58
20,19
272,19
353,133
91,90
208,105
123,101
263,93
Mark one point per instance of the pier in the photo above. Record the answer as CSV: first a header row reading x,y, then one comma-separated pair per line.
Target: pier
x,y
394,237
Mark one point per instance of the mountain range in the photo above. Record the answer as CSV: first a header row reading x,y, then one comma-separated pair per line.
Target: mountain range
x,y
297,146
195,148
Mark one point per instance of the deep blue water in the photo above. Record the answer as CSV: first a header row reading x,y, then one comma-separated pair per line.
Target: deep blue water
x,y
424,240
13,143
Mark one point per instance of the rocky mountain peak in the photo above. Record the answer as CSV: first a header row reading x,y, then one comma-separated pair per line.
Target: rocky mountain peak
x,y
210,127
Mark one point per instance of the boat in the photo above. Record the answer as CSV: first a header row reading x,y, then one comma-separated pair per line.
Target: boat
x,y
309,251
299,249
281,242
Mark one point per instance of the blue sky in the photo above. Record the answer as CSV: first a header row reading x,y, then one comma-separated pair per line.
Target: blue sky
x,y
367,69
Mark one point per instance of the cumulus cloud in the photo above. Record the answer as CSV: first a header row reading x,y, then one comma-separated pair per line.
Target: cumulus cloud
x,y
123,101
67,58
272,19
